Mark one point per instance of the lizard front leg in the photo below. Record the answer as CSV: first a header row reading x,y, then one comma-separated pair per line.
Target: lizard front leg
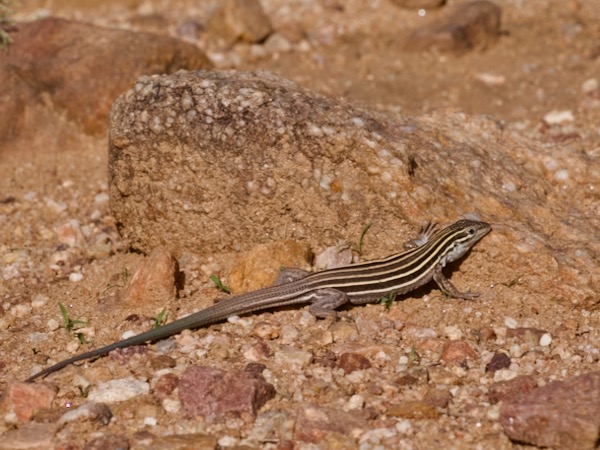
x,y
448,288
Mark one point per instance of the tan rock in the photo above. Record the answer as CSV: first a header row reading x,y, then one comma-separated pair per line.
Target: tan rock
x,y
465,26
414,409
30,436
23,400
240,20
69,67
456,353
153,282
260,266
315,422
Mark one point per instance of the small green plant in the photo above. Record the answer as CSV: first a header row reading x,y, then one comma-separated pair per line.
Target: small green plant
x,y
358,248
6,23
124,279
219,284
388,300
413,357
84,391
159,320
70,325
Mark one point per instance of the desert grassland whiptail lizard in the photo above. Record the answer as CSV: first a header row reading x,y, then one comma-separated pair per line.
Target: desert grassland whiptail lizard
x,y
357,284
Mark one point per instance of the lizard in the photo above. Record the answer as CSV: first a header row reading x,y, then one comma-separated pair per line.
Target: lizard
x,y
421,261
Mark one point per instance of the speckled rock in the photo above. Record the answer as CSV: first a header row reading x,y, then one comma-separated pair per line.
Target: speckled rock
x,y
209,161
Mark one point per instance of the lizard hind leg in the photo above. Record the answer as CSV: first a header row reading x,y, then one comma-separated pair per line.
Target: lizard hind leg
x,y
290,275
325,301
424,235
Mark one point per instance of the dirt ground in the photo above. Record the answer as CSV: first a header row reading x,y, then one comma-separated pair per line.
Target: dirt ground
x,y
546,55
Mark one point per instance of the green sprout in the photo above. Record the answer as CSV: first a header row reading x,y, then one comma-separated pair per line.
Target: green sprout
x,y
70,325
219,284
388,300
413,357
159,319
358,248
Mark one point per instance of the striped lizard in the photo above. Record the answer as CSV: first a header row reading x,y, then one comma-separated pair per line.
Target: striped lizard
x,y
365,282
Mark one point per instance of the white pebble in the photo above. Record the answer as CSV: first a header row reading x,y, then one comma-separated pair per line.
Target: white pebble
x,y
589,85
355,402
516,351
39,300
358,121
493,413
75,277
73,346
561,175
53,325
171,406
101,198
556,117
227,441
314,130
403,426
546,340
96,215
504,375
20,310
150,421
509,186
118,390
127,334
510,322
453,333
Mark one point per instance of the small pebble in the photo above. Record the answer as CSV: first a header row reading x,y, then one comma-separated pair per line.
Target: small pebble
x,y
505,375
73,346
118,390
510,322
557,117
452,332
75,277
589,85
546,340
101,198
20,310
355,402
39,300
150,421
53,325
